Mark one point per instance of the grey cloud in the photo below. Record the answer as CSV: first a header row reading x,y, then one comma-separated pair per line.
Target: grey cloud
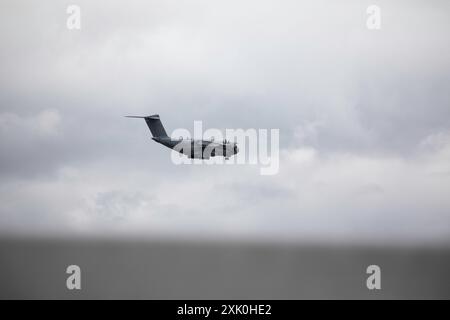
x,y
312,70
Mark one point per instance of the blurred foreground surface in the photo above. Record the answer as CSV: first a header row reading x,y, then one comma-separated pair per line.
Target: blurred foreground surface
x,y
130,269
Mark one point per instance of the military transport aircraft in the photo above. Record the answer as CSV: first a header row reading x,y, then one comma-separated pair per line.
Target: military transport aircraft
x,y
193,148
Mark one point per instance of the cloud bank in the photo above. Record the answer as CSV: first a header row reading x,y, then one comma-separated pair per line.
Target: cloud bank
x,y
363,118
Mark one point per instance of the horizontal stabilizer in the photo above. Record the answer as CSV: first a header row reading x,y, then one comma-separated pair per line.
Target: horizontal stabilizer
x,y
155,117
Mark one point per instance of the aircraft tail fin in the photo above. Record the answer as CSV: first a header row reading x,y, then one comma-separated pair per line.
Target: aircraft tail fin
x,y
154,124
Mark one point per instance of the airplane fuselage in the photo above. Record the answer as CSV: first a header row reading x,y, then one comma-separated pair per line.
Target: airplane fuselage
x,y
197,148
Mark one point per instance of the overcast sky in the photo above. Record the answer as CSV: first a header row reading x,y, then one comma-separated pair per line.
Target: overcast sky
x,y
364,118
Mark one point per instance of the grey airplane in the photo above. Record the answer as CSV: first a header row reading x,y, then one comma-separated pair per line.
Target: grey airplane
x,y
193,148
